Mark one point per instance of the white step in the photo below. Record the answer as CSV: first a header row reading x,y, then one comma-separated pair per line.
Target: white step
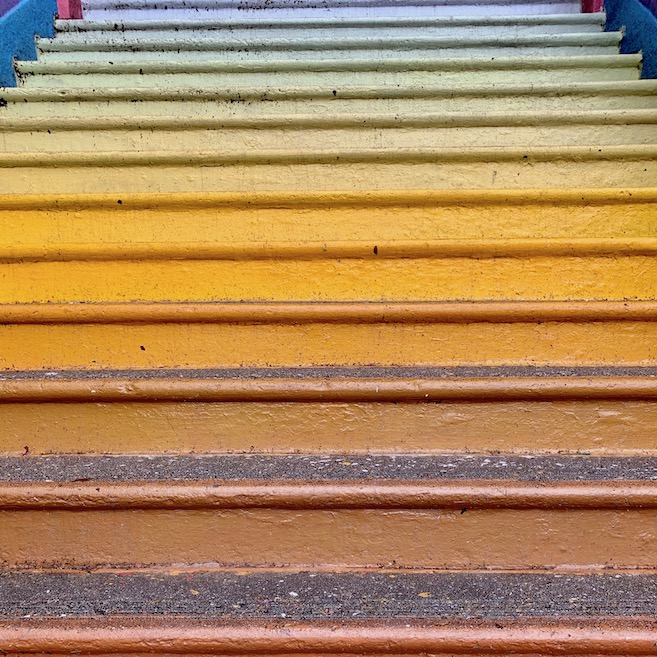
x,y
257,30
184,9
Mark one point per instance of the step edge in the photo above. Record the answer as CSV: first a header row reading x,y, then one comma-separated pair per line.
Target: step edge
x,y
126,389
190,200
612,88
180,45
464,64
383,249
460,312
442,120
629,152
630,636
76,25
335,494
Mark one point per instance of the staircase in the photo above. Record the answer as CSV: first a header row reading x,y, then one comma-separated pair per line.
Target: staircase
x,y
328,328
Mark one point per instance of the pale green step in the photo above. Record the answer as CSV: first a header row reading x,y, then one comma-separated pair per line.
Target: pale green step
x,y
283,49
335,73
299,132
254,102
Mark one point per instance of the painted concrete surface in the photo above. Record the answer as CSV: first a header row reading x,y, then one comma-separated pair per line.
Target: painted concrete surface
x,y
496,293
320,101
599,427
284,50
337,74
210,172
147,10
300,138
258,29
172,349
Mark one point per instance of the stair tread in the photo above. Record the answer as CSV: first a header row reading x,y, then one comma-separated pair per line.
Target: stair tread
x,y
419,21
188,93
312,65
345,596
181,43
245,5
348,384
299,468
103,120
328,373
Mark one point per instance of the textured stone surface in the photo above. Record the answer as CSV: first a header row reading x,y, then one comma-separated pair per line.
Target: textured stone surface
x,y
327,468
328,595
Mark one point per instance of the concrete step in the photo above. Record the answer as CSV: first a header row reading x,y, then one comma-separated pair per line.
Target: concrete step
x,y
285,50
393,511
416,235
257,30
336,73
255,102
509,167
307,132
185,10
522,410
41,226
330,612
184,336
54,269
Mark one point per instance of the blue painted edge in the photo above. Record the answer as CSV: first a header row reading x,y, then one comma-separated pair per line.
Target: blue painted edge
x,y
18,27
640,27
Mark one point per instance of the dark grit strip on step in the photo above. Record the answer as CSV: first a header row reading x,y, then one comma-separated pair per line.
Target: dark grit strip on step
x,y
370,372
330,468
320,595
329,383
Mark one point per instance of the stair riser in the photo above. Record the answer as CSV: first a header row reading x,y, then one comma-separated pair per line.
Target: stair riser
x,y
506,539
299,138
315,30
307,40
172,13
500,633
66,26
426,279
338,80
262,222
606,427
40,179
86,56
255,107
218,346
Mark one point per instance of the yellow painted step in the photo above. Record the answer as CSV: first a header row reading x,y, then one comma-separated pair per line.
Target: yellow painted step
x,y
151,336
466,270
59,226
395,246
